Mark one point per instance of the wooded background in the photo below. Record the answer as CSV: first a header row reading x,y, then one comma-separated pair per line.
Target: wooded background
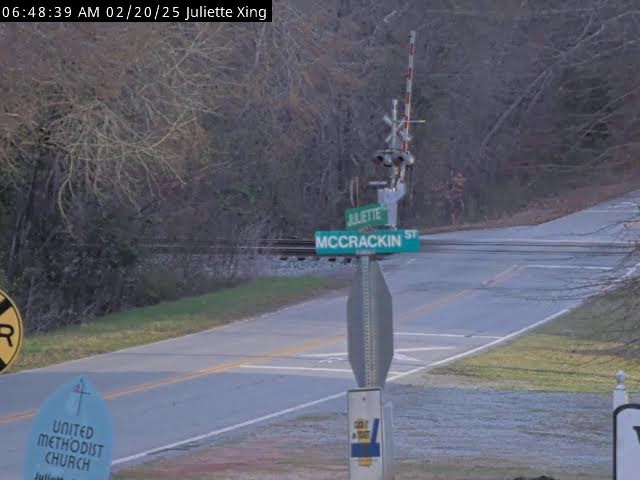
x,y
112,134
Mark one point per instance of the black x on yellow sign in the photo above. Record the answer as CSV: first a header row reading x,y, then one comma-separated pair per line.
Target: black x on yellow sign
x,y
10,331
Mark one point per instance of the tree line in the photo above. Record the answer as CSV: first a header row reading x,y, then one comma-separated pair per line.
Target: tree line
x,y
114,134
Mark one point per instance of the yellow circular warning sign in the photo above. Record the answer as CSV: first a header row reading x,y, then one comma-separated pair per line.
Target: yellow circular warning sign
x,y
10,331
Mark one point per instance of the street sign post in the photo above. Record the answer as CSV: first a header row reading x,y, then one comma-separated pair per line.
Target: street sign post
x,y
369,308
373,215
626,442
366,243
370,325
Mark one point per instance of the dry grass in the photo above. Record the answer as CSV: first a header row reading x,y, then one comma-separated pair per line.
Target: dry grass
x,y
168,320
578,352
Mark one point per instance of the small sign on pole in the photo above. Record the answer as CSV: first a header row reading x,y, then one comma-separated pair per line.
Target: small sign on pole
x,y
373,215
366,449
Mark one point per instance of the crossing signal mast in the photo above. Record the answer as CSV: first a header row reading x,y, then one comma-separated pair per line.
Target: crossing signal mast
x,y
370,314
397,156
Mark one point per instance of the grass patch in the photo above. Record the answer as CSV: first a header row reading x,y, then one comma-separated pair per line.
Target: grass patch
x,y
578,352
167,320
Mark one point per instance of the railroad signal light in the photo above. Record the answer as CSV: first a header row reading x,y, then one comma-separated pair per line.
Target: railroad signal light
x,y
403,158
383,158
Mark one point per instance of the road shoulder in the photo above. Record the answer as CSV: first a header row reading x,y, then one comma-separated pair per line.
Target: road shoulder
x,y
168,320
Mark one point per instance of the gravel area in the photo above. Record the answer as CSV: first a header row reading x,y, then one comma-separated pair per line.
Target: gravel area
x,y
291,266
556,432
257,265
439,432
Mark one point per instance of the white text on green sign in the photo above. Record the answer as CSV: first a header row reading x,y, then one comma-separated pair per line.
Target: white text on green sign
x,y
349,242
366,216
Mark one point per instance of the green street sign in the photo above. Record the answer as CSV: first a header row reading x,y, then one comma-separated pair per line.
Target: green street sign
x,y
350,242
366,216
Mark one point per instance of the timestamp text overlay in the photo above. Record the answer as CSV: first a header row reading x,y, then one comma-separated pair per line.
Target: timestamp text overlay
x,y
116,11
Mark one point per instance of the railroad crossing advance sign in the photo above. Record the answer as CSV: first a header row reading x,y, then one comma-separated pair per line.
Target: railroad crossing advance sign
x,y
10,331
626,442
373,215
370,325
363,243
71,437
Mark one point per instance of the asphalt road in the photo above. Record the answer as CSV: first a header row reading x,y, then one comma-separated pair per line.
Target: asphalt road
x,y
447,302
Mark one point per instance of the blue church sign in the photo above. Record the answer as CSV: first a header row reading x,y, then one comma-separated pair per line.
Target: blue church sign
x,y
71,437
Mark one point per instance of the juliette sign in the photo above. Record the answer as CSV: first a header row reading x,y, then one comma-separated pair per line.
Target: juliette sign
x,y
373,215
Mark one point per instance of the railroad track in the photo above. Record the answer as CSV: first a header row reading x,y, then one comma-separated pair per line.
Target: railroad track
x,y
284,248
304,248
300,248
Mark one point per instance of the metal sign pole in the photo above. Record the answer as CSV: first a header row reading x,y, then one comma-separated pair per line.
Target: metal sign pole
x,y
370,325
367,328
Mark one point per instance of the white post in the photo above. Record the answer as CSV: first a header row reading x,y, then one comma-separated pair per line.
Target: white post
x,y
388,462
620,396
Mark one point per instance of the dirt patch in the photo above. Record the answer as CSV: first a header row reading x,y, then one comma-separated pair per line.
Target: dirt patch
x,y
549,208
246,458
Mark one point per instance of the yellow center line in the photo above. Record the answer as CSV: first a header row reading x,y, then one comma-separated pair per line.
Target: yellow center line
x,y
223,367
18,416
449,299
300,348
